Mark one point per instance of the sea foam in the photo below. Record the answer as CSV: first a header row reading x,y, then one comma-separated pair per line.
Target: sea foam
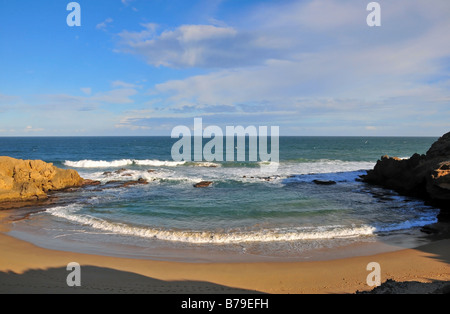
x,y
121,163
70,212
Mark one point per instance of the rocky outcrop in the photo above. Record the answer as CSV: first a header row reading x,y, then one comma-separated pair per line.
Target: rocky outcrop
x,y
23,180
426,176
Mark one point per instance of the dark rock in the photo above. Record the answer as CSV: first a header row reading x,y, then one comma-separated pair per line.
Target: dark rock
x,y
203,184
391,286
131,183
424,176
324,182
112,182
120,171
107,173
91,182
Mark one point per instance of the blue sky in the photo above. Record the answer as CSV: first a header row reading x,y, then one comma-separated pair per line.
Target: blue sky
x,y
142,67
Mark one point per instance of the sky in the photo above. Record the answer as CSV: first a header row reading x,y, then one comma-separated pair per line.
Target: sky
x,y
142,67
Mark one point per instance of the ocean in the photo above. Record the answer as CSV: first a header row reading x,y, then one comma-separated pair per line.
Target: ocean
x,y
243,215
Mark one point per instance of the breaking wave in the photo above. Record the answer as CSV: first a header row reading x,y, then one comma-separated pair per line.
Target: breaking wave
x,y
69,212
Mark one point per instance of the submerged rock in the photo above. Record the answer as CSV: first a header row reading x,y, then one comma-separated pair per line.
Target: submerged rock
x,y
120,171
203,184
324,182
22,180
131,183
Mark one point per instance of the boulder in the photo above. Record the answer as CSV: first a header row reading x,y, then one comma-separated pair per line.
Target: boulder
x,y
23,180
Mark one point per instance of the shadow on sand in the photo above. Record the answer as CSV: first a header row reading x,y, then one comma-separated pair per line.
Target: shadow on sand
x,y
100,280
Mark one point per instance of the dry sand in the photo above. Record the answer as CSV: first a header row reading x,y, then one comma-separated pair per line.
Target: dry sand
x,y
26,268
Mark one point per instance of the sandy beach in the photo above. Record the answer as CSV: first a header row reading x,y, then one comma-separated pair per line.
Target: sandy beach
x,y
26,268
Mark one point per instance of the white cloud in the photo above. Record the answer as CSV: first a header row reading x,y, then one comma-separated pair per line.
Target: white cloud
x,y
123,84
207,46
103,25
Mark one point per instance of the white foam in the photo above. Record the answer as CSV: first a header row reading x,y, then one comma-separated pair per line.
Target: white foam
x,y
98,163
158,163
69,212
121,163
325,166
206,164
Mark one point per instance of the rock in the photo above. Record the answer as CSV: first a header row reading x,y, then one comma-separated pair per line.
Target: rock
x,y
324,182
151,170
391,286
203,184
120,171
131,183
425,176
23,180
112,182
107,173
90,182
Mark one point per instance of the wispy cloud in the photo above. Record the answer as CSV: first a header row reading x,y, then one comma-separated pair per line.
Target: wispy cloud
x,y
205,46
104,25
126,2
123,84
86,90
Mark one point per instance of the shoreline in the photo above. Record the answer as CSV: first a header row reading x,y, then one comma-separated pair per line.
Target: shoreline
x,y
27,268
29,228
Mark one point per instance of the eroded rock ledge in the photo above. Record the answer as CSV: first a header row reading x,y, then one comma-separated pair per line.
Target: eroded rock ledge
x,y
25,180
425,176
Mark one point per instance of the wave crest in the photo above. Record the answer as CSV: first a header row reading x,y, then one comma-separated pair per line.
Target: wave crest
x,y
121,163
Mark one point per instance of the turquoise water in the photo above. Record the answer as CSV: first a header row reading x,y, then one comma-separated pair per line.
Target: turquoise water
x,y
243,209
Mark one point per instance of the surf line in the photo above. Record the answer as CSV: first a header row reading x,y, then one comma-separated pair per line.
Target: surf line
x,y
213,150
